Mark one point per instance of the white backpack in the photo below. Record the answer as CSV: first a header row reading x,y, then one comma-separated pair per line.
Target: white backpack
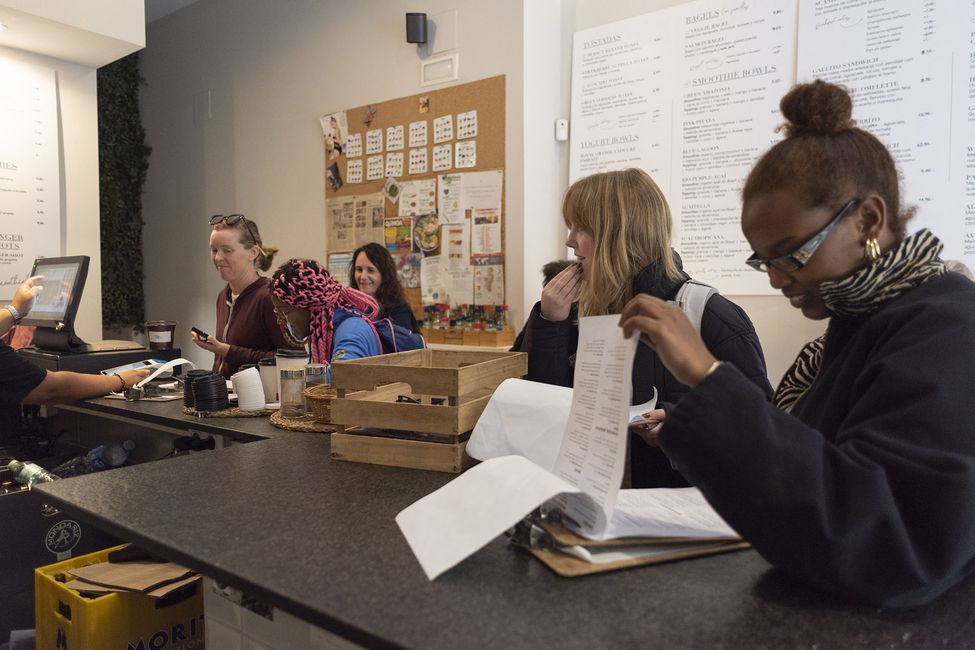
x,y
692,298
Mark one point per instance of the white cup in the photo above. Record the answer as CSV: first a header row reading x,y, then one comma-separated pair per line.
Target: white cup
x,y
249,389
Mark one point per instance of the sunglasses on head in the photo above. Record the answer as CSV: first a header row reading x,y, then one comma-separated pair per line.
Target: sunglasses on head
x,y
233,220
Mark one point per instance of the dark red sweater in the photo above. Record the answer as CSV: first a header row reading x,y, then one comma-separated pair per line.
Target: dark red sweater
x,y
253,332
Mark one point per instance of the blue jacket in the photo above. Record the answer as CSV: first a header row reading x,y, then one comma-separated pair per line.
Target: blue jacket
x,y
353,338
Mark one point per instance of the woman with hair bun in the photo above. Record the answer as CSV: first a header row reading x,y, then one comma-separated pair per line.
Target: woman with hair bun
x,y
246,328
860,477
313,307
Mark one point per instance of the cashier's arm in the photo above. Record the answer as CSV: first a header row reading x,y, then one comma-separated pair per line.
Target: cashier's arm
x,y
67,386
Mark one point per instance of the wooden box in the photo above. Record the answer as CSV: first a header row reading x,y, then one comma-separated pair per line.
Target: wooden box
x,y
417,408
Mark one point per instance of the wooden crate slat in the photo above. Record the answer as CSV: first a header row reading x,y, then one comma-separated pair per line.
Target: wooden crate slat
x,y
438,457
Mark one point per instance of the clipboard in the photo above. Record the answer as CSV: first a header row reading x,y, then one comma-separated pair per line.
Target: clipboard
x,y
552,543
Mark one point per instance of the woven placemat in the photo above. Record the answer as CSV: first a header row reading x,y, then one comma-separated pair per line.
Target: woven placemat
x,y
232,412
306,423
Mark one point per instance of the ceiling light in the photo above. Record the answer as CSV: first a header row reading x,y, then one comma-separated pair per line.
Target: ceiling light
x,y
2,27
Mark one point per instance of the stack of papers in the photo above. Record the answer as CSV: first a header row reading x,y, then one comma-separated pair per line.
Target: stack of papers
x,y
518,437
154,579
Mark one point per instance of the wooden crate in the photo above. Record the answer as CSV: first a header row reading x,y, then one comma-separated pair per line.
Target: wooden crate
x,y
450,389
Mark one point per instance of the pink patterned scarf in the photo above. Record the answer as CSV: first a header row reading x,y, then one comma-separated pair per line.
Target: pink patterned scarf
x,y
307,285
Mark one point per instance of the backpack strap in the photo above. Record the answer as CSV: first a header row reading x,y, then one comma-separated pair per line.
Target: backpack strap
x,y
692,297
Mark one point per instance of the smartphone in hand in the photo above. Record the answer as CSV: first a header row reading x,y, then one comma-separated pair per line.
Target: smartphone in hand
x,y
203,335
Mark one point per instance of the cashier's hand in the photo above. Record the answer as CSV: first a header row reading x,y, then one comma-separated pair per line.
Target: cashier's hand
x,y
649,428
133,376
211,344
561,291
667,330
23,298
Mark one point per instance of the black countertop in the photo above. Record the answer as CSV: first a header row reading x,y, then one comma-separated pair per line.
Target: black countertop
x,y
316,537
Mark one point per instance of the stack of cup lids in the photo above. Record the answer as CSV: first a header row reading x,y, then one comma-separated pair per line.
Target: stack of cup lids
x,y
250,391
210,393
192,376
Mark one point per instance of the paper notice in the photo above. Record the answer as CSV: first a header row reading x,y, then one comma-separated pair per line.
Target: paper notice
x,y
443,157
394,164
432,280
466,156
419,197
418,133
353,146
418,161
353,171
394,138
341,234
466,125
443,129
374,142
448,199
489,284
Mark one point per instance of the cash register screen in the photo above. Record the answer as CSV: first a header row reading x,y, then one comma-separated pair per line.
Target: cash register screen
x,y
63,282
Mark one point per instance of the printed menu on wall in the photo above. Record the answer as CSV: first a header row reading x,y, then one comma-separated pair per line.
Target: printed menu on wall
x,y
688,94
909,67
30,172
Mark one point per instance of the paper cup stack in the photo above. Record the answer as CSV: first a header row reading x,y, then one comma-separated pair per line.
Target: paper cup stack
x,y
249,389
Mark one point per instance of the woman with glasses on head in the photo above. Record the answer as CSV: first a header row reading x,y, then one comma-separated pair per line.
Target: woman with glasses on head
x,y
374,272
619,227
860,478
314,308
246,328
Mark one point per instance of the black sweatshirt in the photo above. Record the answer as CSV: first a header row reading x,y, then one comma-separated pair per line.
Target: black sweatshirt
x,y
868,487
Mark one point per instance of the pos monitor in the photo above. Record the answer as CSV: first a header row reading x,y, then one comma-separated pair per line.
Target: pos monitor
x,y
56,305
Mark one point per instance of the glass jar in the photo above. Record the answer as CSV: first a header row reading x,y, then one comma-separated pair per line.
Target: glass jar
x,y
292,392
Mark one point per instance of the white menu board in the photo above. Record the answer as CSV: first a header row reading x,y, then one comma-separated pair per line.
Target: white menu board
x,y
909,66
689,94
30,172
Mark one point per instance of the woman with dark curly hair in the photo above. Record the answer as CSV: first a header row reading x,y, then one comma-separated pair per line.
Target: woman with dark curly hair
x,y
373,272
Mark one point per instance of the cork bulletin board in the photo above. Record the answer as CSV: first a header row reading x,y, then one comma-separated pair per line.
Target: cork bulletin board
x,y
423,175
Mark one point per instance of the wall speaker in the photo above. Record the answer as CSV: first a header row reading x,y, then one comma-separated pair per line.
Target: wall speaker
x,y
416,28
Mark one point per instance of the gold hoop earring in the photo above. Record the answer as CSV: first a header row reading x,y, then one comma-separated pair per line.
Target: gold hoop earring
x,y
871,250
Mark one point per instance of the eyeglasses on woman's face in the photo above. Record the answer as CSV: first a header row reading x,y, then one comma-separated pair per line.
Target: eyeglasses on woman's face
x,y
281,313
800,257
233,220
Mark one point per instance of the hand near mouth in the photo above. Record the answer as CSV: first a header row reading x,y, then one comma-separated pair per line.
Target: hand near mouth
x,y
559,294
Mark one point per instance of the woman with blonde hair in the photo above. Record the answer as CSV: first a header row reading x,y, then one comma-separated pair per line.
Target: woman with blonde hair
x,y
620,228
247,329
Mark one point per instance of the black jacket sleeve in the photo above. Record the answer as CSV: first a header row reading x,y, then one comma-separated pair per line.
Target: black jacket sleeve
x,y
551,346
880,509
731,337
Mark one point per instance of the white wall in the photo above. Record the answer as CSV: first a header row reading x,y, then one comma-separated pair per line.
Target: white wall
x,y
234,91
267,71
78,116
781,328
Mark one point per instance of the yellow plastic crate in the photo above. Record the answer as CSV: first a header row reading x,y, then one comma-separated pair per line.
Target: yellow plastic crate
x,y
66,620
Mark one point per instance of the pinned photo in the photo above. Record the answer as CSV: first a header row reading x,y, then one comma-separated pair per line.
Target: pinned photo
x,y
333,177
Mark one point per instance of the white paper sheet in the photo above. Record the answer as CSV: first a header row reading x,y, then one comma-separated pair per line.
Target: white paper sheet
x,y
448,198
593,452
452,523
